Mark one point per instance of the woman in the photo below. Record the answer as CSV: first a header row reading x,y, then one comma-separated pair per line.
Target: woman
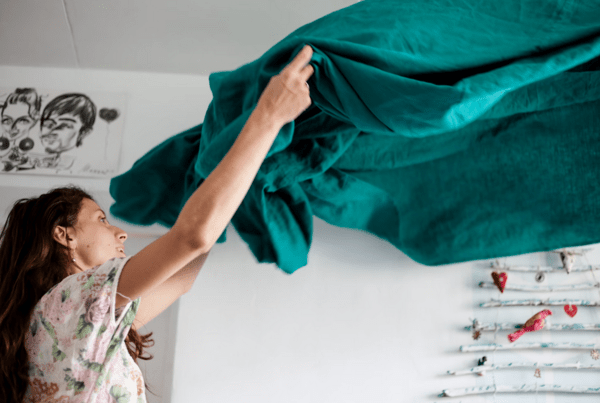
x,y
69,295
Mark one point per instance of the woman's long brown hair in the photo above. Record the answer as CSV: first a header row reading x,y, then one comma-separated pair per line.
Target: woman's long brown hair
x,y
31,263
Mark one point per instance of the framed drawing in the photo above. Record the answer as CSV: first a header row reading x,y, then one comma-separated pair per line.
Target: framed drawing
x,y
52,132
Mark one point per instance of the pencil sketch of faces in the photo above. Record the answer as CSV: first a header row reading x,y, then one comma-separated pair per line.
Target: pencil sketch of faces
x,y
65,121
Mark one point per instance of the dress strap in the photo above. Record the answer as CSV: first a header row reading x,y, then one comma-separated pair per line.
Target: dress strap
x,y
124,296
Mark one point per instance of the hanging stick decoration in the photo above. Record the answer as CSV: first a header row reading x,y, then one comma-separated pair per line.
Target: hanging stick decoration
x,y
517,389
496,266
571,310
494,303
537,288
567,257
540,277
536,323
533,324
486,327
494,346
482,369
568,261
499,280
481,363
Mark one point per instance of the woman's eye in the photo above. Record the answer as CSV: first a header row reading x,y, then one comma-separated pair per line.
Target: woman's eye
x,y
103,218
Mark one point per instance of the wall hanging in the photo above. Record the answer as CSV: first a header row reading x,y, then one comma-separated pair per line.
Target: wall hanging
x,y
569,329
54,132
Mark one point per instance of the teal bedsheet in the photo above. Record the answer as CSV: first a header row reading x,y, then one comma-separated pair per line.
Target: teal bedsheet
x,y
455,130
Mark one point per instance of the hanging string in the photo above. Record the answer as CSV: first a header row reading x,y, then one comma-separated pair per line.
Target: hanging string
x,y
496,343
584,257
593,271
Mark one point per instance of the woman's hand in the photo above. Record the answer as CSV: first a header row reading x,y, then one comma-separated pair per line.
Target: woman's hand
x,y
287,95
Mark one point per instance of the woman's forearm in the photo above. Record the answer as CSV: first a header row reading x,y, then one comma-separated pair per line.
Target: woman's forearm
x,y
207,212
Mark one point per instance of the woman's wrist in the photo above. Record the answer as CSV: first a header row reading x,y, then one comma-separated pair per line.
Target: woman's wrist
x,y
265,117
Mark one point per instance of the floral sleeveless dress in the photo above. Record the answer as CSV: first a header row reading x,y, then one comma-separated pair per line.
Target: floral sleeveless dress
x,y
76,342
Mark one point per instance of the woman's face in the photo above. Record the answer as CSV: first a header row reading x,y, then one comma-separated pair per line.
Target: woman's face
x,y
16,121
94,241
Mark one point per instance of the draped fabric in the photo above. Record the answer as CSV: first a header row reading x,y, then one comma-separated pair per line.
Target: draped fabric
x,y
456,130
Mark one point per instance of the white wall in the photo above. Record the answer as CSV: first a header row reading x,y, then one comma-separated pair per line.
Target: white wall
x,y
360,323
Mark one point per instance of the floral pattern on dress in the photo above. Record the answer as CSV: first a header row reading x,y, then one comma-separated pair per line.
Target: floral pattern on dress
x,y
76,342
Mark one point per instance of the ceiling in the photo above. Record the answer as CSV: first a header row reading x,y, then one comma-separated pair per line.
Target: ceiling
x,y
173,36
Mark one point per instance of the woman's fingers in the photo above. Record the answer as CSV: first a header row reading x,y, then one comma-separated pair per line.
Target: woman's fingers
x,y
307,72
298,64
287,95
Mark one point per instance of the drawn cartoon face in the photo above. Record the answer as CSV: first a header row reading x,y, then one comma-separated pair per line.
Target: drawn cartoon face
x,y
59,132
16,121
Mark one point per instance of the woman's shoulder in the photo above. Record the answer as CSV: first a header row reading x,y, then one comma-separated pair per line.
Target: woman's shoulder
x,y
80,285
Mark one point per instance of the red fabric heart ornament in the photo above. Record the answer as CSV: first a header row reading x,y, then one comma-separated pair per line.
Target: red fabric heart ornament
x,y
500,280
571,310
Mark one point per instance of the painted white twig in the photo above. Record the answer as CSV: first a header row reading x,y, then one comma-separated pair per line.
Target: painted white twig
x,y
494,303
574,251
537,288
567,257
485,368
485,327
517,389
518,346
547,269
